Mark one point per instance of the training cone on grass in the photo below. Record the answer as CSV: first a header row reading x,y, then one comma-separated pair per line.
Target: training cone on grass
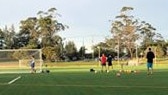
x,y
118,74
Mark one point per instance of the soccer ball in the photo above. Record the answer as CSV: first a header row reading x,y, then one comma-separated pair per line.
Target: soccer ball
x,y
135,71
120,71
118,74
95,71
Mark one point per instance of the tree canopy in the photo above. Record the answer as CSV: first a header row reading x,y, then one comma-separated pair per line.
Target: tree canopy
x,y
41,32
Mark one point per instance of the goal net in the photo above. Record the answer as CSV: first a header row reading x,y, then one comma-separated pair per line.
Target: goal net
x,y
18,60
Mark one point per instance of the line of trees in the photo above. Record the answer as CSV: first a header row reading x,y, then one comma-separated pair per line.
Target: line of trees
x,y
38,32
131,37
41,32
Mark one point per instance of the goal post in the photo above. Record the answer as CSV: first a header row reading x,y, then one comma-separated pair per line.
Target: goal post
x,y
20,59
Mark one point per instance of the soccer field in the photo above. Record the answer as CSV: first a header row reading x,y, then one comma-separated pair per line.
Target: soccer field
x,y
85,83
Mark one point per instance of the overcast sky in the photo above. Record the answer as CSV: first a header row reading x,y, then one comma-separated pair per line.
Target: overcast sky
x,y
88,19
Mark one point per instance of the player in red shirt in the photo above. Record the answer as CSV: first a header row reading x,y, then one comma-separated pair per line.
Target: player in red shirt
x,y
103,60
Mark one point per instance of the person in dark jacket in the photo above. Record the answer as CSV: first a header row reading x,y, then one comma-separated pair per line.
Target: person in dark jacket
x,y
150,56
110,65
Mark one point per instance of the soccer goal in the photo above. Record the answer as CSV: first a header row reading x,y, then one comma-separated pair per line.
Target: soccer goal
x,y
18,60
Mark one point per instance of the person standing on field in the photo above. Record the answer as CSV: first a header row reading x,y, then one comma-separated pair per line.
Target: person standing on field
x,y
32,65
109,60
103,60
150,56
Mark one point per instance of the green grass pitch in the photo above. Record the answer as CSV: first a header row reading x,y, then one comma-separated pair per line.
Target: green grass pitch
x,y
85,83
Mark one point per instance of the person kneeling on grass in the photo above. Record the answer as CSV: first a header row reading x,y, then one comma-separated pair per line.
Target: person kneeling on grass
x,y
32,65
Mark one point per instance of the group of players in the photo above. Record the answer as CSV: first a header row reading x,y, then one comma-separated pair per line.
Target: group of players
x,y
106,63
106,67
103,59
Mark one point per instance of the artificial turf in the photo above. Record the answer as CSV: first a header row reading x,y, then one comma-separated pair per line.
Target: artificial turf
x,y
85,83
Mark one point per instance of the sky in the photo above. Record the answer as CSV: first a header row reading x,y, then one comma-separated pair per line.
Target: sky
x,y
88,20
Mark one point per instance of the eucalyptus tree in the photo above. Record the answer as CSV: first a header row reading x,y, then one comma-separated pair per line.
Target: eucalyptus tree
x,y
41,32
70,50
107,47
150,37
1,39
28,35
48,28
124,30
9,35
6,37
82,52
127,31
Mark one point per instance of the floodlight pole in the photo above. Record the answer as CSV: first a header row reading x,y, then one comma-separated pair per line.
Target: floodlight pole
x,y
92,48
155,54
136,51
99,55
41,59
118,52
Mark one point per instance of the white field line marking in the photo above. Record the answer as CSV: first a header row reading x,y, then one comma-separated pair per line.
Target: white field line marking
x,y
12,81
100,86
90,86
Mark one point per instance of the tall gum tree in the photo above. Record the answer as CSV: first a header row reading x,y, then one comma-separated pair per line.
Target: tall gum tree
x,y
42,31
127,30
124,30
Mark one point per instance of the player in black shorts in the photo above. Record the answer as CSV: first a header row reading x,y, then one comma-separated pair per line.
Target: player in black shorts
x,y
110,65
